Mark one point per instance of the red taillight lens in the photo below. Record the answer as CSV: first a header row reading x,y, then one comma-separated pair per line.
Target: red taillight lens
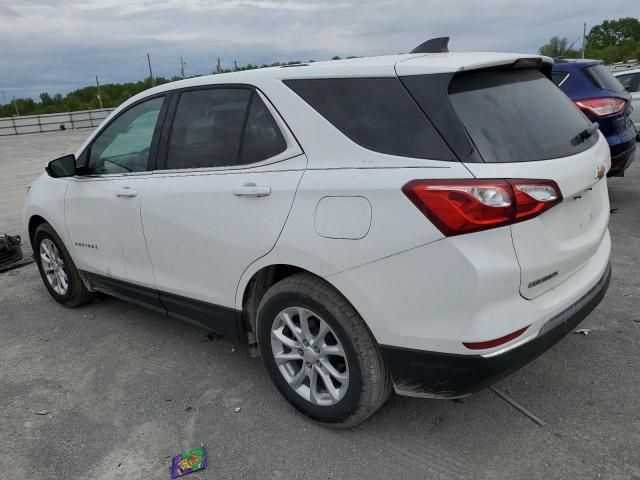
x,y
494,343
464,206
602,107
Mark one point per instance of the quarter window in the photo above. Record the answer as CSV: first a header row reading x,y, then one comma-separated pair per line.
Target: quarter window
x,y
207,128
630,81
376,113
125,144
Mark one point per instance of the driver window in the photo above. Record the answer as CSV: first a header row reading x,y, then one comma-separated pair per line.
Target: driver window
x,y
625,80
124,145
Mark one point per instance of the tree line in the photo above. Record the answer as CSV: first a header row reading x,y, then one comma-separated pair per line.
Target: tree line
x,y
111,94
611,41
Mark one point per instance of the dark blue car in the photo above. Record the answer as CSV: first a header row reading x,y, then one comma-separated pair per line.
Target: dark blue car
x,y
603,99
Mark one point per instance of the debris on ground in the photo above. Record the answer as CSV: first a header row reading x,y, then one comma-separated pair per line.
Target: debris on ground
x,y
43,412
584,331
188,462
236,410
11,253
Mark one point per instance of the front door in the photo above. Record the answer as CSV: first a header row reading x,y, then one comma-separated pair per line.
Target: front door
x,y
102,206
231,173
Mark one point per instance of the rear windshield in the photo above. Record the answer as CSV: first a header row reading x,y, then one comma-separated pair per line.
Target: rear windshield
x,y
602,78
518,116
376,113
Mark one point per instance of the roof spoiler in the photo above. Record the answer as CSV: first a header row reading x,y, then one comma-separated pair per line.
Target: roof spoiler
x,y
434,45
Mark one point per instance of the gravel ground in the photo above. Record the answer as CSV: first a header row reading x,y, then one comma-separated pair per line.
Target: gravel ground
x,y
111,390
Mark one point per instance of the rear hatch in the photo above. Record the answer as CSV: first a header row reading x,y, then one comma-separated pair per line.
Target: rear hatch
x,y
521,126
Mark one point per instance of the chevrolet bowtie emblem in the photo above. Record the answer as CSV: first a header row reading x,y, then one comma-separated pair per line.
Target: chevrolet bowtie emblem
x,y
600,171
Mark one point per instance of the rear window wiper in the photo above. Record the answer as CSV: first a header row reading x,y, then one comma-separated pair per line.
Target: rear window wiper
x,y
586,133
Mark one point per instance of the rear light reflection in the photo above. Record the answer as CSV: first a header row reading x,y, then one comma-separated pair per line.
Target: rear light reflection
x,y
602,107
456,207
494,343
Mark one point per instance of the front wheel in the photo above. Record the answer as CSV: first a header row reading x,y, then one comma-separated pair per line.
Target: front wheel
x,y
57,269
319,352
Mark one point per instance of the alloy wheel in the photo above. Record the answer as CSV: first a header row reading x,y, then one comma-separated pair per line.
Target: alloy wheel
x,y
53,267
309,356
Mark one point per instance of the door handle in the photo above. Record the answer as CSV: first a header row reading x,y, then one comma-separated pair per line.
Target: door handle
x,y
126,192
252,190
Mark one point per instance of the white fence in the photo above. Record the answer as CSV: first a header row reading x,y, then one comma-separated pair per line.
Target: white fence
x,y
53,122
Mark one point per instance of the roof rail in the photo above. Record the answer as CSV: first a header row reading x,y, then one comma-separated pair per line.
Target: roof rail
x,y
434,45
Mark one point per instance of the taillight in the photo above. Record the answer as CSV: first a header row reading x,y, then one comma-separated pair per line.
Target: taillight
x,y
602,107
464,206
494,343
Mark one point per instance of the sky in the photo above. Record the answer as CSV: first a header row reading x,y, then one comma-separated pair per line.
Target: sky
x,y
60,45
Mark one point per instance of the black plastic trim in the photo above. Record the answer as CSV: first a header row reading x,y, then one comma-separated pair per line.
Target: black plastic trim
x,y
431,93
444,375
221,320
144,296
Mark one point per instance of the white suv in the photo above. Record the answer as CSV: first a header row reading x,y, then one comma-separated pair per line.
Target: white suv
x,y
426,222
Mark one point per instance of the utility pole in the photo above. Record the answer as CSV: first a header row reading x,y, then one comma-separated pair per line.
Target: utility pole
x,y
15,104
99,96
182,66
235,66
153,82
219,66
584,38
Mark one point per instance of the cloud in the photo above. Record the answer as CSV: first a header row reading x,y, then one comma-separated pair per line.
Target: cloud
x,y
59,45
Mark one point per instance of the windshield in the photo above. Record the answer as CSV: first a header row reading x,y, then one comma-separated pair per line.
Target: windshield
x,y
518,116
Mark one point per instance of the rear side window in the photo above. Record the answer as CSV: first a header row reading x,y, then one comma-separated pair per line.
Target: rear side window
x,y
376,113
518,116
262,137
629,81
602,78
207,128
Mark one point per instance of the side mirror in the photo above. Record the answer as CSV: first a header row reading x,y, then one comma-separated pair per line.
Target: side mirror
x,y
62,167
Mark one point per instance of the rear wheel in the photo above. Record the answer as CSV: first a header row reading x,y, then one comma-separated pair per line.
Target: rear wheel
x,y
319,352
57,270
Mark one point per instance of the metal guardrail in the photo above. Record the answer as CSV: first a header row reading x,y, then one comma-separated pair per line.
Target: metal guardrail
x,y
53,122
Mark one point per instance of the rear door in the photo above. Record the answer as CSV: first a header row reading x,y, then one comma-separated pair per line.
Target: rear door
x,y
523,127
219,199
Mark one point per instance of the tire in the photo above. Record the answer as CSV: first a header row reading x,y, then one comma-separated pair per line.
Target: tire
x,y
367,385
76,292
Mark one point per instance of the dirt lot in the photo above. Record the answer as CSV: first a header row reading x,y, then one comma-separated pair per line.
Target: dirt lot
x,y
125,388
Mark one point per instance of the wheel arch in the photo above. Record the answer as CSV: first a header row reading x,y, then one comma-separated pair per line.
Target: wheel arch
x,y
251,291
253,288
34,222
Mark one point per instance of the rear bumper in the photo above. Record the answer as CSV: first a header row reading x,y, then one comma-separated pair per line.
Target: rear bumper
x,y
621,158
444,375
